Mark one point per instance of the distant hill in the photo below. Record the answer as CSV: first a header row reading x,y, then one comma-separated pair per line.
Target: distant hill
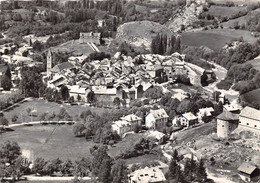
x,y
140,34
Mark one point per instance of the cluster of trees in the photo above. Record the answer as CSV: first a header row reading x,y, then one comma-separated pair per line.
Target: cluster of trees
x,y
193,171
232,55
6,82
192,103
106,169
98,127
61,115
31,83
141,147
165,44
43,167
12,164
244,76
10,98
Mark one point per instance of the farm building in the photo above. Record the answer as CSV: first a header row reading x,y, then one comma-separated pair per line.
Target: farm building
x,y
226,123
249,172
250,117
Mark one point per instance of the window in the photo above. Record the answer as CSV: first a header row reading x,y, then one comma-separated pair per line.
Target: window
x,y
255,126
247,123
222,125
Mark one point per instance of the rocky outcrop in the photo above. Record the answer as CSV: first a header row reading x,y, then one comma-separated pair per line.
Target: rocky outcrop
x,y
185,17
140,34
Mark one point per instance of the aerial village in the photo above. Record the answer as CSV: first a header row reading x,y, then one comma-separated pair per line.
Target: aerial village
x,y
118,81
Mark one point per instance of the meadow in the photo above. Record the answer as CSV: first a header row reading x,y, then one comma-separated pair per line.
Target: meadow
x,y
215,38
49,142
42,106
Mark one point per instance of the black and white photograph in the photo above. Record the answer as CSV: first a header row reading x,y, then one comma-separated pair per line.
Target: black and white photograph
x,y
130,91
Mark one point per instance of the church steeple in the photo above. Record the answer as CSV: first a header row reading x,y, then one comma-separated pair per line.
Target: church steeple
x,y
49,63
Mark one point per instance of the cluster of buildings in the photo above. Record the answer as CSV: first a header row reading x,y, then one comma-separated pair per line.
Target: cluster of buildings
x,y
157,119
227,122
121,76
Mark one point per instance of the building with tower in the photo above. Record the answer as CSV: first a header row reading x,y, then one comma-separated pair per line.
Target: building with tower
x,y
227,122
49,63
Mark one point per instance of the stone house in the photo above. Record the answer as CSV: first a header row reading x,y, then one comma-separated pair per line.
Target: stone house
x,y
250,118
156,119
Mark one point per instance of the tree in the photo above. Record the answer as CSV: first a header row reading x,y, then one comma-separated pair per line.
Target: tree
x,y
104,174
9,155
64,92
66,167
174,170
43,116
3,121
201,171
119,172
98,160
91,97
79,97
6,83
14,118
116,101
71,99
82,167
78,128
204,79
38,166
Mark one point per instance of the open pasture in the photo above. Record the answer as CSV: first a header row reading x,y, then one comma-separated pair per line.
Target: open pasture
x,y
215,38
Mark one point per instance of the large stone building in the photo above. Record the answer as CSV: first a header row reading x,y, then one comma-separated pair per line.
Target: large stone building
x,y
226,123
250,118
156,119
90,37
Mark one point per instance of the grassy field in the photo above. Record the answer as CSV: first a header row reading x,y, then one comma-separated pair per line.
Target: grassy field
x,y
49,142
223,11
74,46
252,96
42,106
215,38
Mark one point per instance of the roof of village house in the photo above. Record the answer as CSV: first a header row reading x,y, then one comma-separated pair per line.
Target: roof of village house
x,y
103,90
189,116
250,112
155,134
131,117
148,175
18,58
247,168
120,123
228,116
159,113
78,89
206,110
